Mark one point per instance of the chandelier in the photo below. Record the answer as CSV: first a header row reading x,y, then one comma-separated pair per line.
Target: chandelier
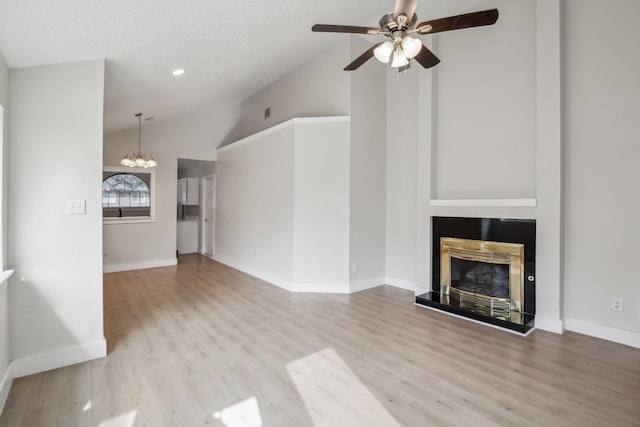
x,y
139,159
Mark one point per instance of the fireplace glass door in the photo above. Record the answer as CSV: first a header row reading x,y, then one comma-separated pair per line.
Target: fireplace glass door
x,y
484,276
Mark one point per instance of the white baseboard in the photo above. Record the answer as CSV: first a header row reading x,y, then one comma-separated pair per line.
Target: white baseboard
x,y
58,358
326,288
113,268
253,272
400,283
5,385
549,325
608,333
321,288
362,285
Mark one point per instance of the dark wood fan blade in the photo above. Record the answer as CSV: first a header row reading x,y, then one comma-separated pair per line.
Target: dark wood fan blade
x,y
426,58
458,22
322,28
367,55
408,7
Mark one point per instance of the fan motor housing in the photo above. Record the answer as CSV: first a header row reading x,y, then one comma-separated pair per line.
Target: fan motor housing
x,y
388,22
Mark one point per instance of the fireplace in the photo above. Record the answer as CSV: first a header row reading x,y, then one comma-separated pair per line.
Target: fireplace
x,y
484,269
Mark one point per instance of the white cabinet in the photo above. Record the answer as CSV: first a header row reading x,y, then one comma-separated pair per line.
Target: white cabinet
x,y
189,191
187,241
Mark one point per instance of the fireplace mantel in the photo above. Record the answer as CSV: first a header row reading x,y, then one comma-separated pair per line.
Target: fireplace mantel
x,y
498,203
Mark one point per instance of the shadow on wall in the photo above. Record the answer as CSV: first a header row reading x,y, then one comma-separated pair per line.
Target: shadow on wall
x,y
31,309
233,135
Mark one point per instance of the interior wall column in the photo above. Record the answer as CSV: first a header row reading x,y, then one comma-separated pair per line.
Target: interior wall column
x,y
549,165
426,158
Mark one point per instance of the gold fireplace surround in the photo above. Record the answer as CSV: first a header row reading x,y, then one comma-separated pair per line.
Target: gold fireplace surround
x,y
511,254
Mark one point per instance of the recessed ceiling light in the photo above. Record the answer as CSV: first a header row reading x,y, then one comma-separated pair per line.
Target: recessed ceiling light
x,y
178,72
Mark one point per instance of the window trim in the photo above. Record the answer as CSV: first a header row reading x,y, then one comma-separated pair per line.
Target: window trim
x,y
152,197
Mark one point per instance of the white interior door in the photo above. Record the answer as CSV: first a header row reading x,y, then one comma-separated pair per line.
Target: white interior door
x,y
209,214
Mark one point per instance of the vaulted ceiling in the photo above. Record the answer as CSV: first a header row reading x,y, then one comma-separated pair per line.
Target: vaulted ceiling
x,y
229,49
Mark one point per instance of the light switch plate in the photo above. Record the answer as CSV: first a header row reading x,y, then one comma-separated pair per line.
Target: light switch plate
x,y
76,207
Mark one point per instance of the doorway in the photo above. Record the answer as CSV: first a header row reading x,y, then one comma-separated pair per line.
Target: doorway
x,y
191,205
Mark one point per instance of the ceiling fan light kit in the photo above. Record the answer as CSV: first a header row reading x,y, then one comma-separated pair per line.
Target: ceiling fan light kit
x,y
383,52
399,59
411,46
397,26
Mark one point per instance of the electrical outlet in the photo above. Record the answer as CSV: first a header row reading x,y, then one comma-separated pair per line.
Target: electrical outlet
x,y
354,268
616,304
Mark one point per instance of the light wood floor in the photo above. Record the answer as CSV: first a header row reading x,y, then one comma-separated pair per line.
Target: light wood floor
x,y
203,344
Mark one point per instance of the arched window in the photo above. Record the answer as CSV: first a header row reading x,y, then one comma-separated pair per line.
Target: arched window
x,y
126,195
124,190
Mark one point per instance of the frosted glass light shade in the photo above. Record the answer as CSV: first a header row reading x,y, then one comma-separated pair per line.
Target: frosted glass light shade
x,y
383,52
411,46
399,60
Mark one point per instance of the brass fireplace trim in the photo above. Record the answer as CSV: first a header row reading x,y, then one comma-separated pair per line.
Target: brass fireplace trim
x,y
511,254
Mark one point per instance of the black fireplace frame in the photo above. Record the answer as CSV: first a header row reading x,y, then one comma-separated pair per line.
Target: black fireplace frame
x,y
507,230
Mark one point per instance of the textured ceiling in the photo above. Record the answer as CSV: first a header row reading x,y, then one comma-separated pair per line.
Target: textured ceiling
x,y
229,49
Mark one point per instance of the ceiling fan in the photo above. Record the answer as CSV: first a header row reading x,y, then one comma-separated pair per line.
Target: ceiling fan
x,y
397,26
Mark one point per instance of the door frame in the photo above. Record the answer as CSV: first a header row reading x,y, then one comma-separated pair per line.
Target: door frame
x,y
203,207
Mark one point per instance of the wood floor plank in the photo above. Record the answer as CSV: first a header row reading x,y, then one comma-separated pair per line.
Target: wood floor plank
x,y
201,343
75,402
15,407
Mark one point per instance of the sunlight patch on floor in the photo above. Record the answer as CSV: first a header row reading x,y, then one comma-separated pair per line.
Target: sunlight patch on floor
x,y
125,420
241,414
334,395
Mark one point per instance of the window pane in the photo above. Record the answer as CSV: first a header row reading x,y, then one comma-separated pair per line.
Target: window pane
x,y
126,194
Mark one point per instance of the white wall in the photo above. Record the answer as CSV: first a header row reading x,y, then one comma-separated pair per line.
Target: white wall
x,y
486,117
6,374
368,170
321,206
143,245
55,155
402,182
320,87
602,153
4,101
5,353
316,88
254,204
282,211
